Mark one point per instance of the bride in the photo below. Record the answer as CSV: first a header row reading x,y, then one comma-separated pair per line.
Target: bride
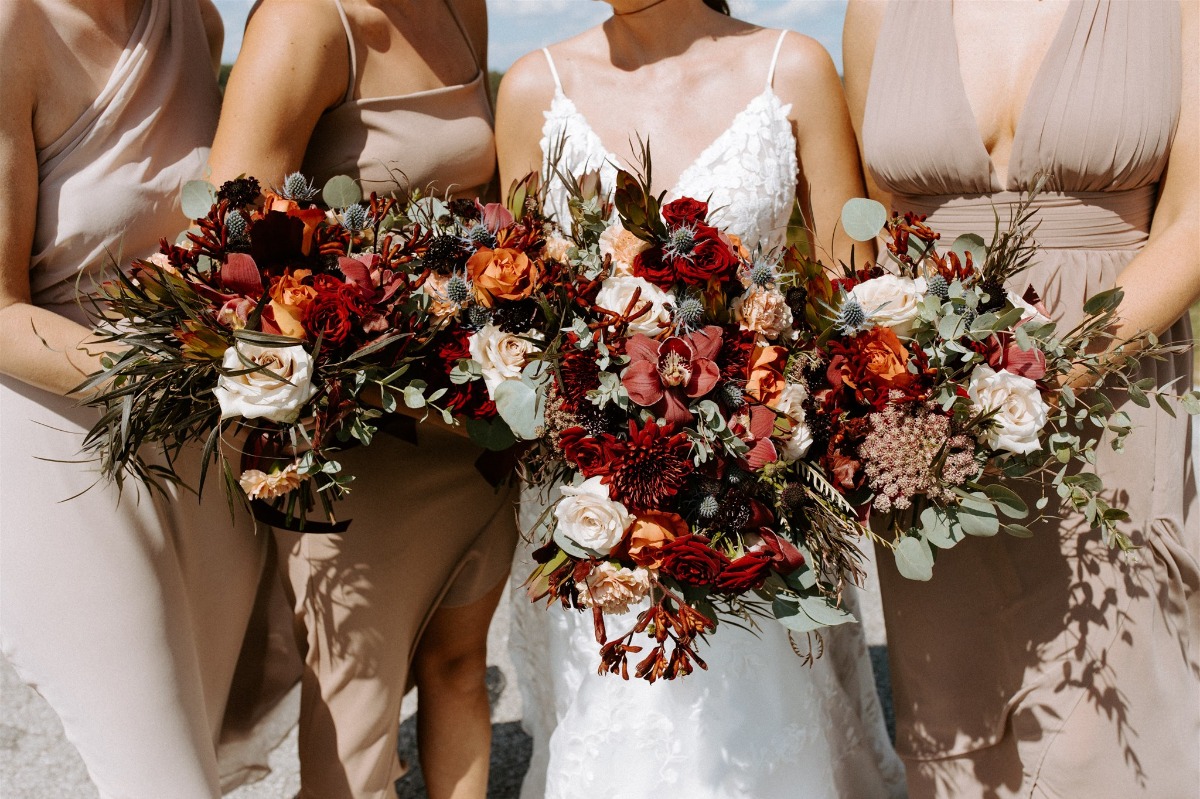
x,y
752,120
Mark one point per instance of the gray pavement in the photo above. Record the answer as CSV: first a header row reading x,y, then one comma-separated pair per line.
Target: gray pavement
x,y
36,761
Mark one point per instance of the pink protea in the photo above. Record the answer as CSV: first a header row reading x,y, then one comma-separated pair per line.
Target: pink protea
x,y
663,375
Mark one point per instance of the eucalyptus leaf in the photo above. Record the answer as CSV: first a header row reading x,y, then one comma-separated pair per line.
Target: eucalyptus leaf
x,y
1007,500
197,198
341,191
494,434
914,559
862,219
977,515
970,243
1017,530
939,528
413,398
521,407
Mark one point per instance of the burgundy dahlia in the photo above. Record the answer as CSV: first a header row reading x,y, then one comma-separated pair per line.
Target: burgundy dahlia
x,y
649,468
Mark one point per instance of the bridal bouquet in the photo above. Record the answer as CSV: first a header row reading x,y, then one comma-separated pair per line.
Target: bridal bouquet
x,y
940,390
672,424
287,331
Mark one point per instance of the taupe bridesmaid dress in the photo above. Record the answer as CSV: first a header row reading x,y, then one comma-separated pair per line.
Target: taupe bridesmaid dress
x,y
428,531
1051,667
127,616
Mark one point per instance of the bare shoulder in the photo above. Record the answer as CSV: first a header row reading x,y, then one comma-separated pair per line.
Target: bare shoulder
x,y
293,47
805,70
293,26
528,83
23,40
868,13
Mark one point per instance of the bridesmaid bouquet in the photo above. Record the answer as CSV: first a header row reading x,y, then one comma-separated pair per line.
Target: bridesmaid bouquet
x,y
939,388
668,391
286,331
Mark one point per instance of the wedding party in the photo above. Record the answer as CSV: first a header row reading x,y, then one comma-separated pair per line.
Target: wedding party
x,y
596,399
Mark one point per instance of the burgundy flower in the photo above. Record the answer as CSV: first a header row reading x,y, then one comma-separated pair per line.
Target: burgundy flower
x,y
582,449
663,375
647,470
711,259
685,211
468,399
754,425
654,266
1003,353
784,557
747,573
692,561
579,373
334,311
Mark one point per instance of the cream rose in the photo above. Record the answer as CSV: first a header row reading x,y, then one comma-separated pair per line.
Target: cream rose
x,y
891,301
1020,411
279,396
500,355
798,437
557,247
588,517
616,293
614,588
764,310
623,246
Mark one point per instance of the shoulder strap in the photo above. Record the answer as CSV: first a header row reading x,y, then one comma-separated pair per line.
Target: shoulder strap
x,y
775,58
553,71
350,49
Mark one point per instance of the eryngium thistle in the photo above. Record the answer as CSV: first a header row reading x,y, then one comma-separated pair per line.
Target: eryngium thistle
x,y
239,191
297,187
480,236
852,318
457,290
938,287
355,217
708,507
689,313
235,224
734,395
478,316
681,242
762,274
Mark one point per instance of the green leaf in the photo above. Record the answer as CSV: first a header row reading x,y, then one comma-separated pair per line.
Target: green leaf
x,y
862,219
1017,530
950,326
977,515
970,243
494,434
197,198
341,191
1104,301
413,398
521,406
939,529
1191,402
914,559
808,613
1165,404
1007,500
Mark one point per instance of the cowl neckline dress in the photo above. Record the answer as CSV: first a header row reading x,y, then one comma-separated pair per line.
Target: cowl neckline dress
x,y
1051,666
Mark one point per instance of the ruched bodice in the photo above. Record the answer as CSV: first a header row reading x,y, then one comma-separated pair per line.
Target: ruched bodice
x,y
1048,666
438,140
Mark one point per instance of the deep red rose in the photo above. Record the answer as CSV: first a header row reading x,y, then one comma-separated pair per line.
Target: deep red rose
x,y
333,313
737,344
785,558
692,561
746,573
583,450
652,265
685,211
468,399
873,364
711,259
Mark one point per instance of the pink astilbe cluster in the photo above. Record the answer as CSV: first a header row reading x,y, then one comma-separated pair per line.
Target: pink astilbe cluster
x,y
910,451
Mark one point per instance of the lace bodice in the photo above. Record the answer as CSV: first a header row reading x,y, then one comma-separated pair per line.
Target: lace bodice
x,y
747,174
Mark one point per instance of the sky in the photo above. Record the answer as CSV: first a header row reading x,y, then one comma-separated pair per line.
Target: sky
x,y
519,26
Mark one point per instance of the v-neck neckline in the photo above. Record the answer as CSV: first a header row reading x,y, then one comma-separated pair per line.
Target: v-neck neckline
x,y
694,163
993,177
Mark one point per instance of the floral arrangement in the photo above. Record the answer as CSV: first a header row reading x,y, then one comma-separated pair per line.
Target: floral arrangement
x,y
283,332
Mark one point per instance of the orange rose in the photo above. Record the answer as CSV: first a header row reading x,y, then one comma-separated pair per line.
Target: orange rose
x,y
650,530
289,297
766,380
886,357
502,274
873,364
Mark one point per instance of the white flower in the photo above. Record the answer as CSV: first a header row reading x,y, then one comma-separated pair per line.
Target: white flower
x,y
799,438
614,588
1029,312
791,400
587,516
500,355
623,246
557,247
796,445
891,301
616,292
1020,411
279,396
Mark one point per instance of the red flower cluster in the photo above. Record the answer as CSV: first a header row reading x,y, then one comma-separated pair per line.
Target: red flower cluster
x,y
695,254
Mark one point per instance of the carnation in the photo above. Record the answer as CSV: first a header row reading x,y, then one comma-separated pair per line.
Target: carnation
x,y
764,310
623,247
613,588
268,485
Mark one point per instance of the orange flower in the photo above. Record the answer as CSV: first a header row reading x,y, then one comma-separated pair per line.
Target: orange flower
x,y
289,297
502,274
649,531
766,382
886,357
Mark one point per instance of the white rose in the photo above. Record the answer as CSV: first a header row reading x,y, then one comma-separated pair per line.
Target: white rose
x,y
1020,411
257,395
891,301
623,246
616,293
500,355
797,444
799,438
791,400
589,518
614,588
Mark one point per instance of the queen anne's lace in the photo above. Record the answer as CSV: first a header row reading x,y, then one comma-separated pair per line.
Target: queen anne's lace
x,y
759,723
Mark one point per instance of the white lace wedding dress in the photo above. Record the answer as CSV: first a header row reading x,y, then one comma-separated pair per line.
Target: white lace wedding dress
x,y
759,723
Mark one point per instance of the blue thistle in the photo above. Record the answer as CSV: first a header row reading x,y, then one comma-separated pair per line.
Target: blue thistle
x,y
938,287
852,318
689,312
236,224
681,242
297,187
762,274
478,316
480,236
709,506
457,290
355,217
734,395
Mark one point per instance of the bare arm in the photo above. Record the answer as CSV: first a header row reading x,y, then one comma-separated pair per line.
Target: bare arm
x,y
214,29
294,64
525,93
859,35
825,149
1163,281
40,347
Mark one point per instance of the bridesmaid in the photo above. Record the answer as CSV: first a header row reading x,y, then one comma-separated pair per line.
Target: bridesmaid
x,y
1053,667
395,95
127,616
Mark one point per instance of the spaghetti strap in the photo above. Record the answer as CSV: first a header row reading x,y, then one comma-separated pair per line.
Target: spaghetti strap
x,y
775,58
466,36
350,48
553,71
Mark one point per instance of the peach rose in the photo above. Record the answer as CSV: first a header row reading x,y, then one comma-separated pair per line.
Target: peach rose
x,y
502,274
613,588
557,247
623,246
262,485
289,297
766,382
439,304
649,531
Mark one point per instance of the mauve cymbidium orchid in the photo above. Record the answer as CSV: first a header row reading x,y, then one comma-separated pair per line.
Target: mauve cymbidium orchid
x,y
664,375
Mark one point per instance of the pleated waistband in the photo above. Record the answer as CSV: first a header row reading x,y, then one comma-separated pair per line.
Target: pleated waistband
x,y
1087,220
